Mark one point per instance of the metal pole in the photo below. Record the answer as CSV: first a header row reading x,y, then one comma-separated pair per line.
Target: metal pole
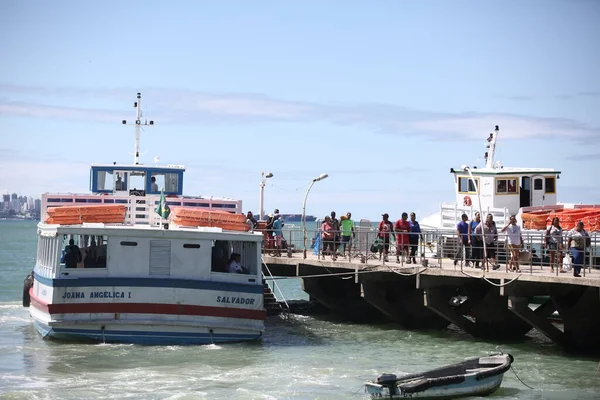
x,y
484,261
317,179
304,216
262,198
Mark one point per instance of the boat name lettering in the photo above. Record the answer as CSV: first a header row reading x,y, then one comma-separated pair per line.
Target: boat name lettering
x,y
74,295
96,295
108,295
235,300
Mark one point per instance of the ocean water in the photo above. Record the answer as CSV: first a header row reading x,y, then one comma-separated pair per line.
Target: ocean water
x,y
300,358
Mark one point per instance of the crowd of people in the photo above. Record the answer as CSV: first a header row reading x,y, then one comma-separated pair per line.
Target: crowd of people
x,y
479,242
477,248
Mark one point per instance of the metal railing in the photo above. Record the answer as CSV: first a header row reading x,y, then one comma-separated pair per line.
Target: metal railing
x,y
438,244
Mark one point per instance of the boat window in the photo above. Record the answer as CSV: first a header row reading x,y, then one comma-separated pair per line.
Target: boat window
x,y
137,182
506,186
105,180
159,183
465,185
91,247
120,181
538,184
550,184
128,243
222,251
171,182
191,246
220,255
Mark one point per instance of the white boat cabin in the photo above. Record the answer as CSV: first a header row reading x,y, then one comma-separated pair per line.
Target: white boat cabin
x,y
497,190
139,187
176,253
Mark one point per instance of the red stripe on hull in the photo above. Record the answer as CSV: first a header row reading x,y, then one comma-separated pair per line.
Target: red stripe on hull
x,y
145,308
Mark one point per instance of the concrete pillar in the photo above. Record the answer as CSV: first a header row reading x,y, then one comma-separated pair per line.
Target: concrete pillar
x,y
397,297
342,297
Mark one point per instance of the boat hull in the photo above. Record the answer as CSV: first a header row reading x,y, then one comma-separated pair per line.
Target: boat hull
x,y
144,334
171,312
469,387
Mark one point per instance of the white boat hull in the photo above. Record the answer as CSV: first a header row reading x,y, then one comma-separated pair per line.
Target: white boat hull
x,y
162,313
470,387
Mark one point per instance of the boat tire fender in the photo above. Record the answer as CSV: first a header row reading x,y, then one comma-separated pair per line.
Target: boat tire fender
x,y
467,201
27,284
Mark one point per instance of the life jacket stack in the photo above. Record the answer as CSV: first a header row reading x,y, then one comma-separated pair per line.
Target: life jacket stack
x,y
75,215
568,218
195,217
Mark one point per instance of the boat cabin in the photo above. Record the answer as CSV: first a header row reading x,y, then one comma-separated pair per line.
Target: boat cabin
x,y
496,190
506,188
111,251
138,180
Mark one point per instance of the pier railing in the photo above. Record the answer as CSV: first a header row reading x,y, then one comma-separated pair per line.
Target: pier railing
x,y
435,245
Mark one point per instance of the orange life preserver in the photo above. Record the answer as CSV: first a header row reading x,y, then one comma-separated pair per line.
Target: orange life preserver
x,y
467,201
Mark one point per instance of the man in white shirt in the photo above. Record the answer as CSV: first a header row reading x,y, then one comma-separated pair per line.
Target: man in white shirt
x,y
515,243
235,266
153,185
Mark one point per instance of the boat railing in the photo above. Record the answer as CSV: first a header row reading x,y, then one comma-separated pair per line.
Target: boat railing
x,y
140,209
450,214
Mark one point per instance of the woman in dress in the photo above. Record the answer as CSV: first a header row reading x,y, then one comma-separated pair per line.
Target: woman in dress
x,y
328,237
554,243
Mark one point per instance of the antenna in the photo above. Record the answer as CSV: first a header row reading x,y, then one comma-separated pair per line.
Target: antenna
x,y
138,124
491,148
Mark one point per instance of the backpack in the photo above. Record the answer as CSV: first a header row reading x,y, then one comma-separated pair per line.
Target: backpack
x,y
377,246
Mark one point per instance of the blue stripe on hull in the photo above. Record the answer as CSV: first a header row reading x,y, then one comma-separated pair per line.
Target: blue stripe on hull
x,y
141,337
150,282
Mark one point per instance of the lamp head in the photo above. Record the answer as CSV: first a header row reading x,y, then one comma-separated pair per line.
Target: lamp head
x,y
269,175
464,167
320,177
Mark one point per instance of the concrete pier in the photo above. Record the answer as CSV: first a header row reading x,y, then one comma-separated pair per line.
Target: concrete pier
x,y
494,305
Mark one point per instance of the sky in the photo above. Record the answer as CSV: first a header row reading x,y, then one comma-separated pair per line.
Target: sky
x,y
383,96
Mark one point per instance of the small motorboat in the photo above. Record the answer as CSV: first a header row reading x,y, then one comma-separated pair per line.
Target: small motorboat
x,y
478,376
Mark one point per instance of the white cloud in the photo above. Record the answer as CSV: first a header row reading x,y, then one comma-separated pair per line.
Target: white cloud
x,y
193,107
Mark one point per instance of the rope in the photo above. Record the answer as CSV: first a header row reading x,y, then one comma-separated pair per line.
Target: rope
x,y
319,275
490,282
520,380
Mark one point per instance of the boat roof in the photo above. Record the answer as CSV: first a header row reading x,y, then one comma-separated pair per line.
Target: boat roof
x,y
99,229
506,171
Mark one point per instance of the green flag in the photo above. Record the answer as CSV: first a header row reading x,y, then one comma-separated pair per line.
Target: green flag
x,y
163,208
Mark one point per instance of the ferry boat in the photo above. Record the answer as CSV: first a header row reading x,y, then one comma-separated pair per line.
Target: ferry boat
x,y
136,261
531,194
528,193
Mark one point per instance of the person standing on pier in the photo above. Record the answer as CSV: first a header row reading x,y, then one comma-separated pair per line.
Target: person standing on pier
x,y
402,229
385,229
413,237
475,241
554,243
462,228
515,243
347,228
578,240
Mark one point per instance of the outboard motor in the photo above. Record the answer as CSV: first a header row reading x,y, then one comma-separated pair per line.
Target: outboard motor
x,y
27,284
389,381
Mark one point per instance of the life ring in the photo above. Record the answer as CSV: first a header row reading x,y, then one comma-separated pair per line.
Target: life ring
x,y
467,201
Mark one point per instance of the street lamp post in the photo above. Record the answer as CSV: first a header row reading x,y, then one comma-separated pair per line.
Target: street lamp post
x,y
468,170
263,179
317,179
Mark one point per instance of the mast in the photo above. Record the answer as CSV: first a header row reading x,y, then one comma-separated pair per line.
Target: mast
x,y
491,148
138,124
